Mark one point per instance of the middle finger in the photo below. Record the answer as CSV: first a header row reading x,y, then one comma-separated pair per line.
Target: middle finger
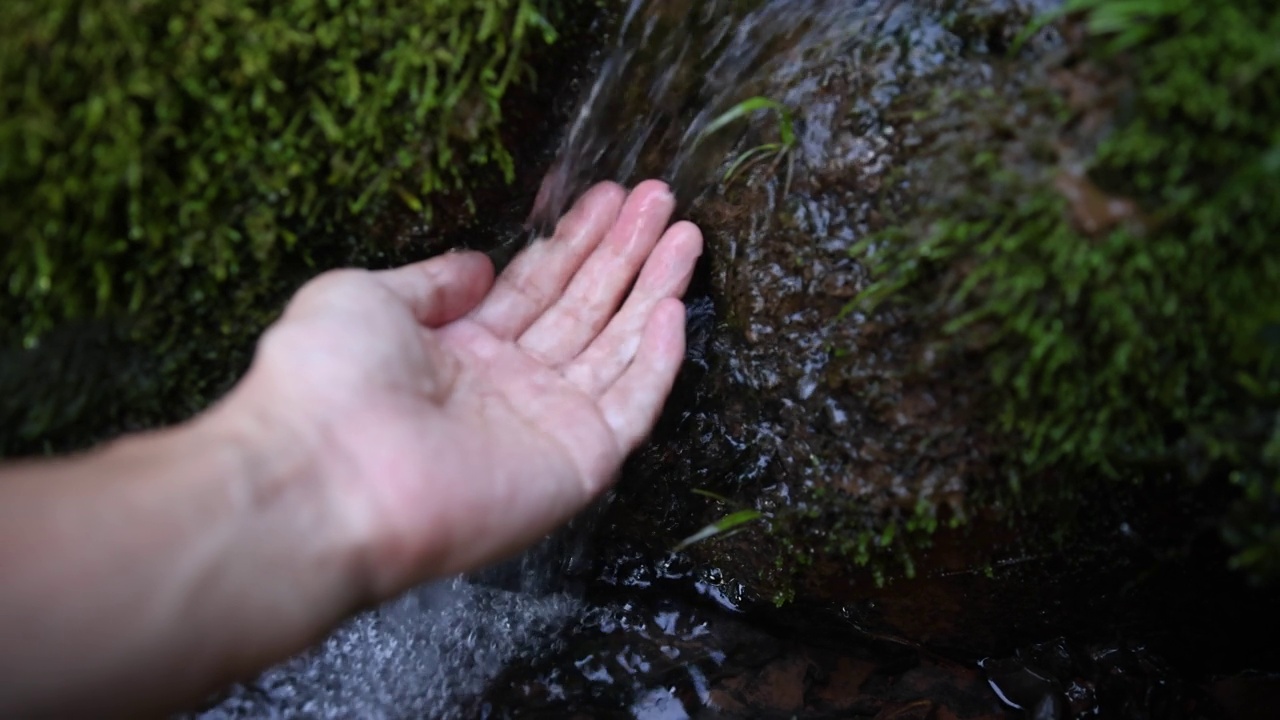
x,y
596,290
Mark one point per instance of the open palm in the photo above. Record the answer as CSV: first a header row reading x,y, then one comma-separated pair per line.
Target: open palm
x,y
460,418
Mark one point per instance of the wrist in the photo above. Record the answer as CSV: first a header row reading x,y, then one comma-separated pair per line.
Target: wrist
x,y
211,549
288,505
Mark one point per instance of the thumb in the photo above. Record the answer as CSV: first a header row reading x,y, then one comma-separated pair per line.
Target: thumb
x,y
442,289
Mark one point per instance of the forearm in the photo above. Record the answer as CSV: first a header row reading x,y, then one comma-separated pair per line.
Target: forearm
x,y
151,571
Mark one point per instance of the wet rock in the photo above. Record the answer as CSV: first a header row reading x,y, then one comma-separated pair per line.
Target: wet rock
x,y
1249,696
832,422
648,655
854,433
1059,679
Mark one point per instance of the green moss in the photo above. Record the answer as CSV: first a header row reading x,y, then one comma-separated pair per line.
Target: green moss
x,y
172,171
847,529
1252,526
1129,316
142,139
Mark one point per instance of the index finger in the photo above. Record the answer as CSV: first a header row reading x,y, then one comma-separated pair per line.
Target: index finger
x,y
539,274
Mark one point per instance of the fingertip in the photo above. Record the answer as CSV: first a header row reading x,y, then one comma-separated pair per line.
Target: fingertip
x,y
470,271
654,198
657,188
474,277
686,229
475,263
607,195
607,189
603,201
443,288
688,237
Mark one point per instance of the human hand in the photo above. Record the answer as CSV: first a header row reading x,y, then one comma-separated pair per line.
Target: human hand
x,y
450,419
394,426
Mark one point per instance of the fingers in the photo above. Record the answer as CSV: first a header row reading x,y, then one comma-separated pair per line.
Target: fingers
x,y
594,293
538,275
666,274
441,289
632,405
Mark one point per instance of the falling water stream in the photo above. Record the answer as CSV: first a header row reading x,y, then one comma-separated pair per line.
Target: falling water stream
x,y
676,67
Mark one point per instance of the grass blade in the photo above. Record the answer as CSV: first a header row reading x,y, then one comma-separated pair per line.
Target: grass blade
x,y
742,109
743,160
724,524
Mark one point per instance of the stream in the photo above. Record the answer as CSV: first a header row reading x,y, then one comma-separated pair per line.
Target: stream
x,y
604,619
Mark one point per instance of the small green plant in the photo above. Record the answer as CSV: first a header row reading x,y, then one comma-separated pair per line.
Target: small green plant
x,y
725,526
777,150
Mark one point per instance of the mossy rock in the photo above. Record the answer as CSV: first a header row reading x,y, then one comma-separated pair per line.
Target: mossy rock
x,y
910,481
172,172
1125,300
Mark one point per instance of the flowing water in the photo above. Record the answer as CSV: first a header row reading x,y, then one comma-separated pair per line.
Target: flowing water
x,y
423,655
678,66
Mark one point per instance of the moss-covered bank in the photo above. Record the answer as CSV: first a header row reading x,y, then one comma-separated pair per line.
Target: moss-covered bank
x,y
1125,302
171,172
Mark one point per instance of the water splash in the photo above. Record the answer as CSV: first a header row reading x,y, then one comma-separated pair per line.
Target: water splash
x,y
421,656
428,653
